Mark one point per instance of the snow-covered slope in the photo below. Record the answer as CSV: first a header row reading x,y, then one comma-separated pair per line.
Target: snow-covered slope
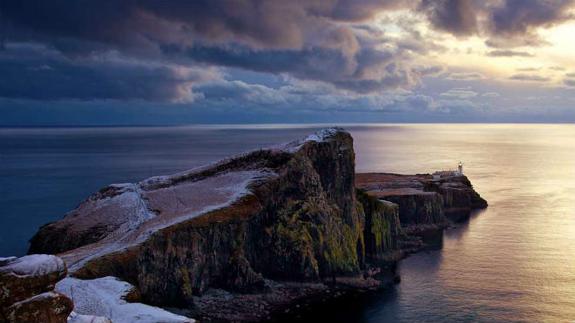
x,y
33,265
124,215
105,296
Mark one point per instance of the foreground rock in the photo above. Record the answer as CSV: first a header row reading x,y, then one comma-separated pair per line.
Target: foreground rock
x,y
26,290
237,240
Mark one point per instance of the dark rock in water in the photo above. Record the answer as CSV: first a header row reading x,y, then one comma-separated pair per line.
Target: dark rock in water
x,y
268,228
26,290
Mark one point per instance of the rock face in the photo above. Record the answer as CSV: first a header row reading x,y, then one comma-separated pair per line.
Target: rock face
x,y
424,201
256,224
26,290
382,228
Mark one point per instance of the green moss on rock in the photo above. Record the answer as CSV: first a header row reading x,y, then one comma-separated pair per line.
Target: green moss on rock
x,y
381,226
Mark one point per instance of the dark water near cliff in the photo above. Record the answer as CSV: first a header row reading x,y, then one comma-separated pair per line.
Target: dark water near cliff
x,y
514,262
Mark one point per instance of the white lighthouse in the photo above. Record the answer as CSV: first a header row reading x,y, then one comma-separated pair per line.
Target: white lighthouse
x,y
460,168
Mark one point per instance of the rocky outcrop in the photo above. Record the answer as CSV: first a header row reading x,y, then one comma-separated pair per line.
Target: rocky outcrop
x,y
267,227
426,203
459,197
27,290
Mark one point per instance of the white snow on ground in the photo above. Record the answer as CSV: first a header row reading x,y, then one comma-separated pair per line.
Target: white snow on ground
x,y
123,211
134,223
79,318
322,135
318,136
33,265
103,297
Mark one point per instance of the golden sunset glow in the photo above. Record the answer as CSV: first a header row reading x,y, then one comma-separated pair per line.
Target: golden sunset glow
x,y
553,59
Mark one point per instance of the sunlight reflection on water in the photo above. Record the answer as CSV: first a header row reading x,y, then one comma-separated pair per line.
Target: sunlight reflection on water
x,y
514,261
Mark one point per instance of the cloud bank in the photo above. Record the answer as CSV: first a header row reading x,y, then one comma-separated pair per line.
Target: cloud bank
x,y
323,54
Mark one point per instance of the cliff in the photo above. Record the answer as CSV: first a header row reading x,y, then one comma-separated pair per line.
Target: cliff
x,y
235,240
426,203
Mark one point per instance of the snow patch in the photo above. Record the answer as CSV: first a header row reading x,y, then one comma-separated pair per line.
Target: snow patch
x,y
134,222
104,297
79,318
323,134
319,136
33,265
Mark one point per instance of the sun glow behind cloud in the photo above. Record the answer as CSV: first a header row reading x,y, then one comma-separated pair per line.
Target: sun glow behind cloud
x,y
561,50
552,60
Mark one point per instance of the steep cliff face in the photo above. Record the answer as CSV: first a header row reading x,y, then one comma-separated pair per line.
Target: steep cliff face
x,y
459,197
382,228
287,214
424,201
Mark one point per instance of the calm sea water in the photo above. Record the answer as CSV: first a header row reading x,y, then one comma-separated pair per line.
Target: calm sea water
x,y
514,262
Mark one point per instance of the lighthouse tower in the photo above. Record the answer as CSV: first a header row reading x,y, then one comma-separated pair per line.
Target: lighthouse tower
x,y
460,168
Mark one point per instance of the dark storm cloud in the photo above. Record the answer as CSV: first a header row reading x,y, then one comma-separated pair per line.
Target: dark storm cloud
x,y
39,74
142,25
367,70
506,23
129,23
306,39
357,10
520,17
509,53
458,17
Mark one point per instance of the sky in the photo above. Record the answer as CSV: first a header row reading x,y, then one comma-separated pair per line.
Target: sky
x,y
155,62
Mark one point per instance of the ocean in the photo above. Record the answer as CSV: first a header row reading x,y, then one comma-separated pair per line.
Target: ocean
x,y
513,262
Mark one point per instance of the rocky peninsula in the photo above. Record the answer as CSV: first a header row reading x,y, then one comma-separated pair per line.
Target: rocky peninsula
x,y
428,203
247,237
